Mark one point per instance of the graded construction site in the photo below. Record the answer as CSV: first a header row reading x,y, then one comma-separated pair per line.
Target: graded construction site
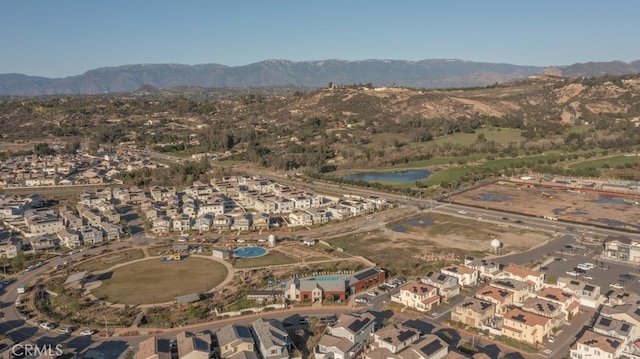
x,y
581,206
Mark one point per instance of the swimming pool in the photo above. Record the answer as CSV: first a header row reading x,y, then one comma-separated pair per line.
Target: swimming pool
x,y
326,277
250,252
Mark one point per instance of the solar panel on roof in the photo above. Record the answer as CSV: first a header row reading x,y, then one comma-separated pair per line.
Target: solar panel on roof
x,y
366,274
625,327
432,347
589,288
604,321
614,343
404,335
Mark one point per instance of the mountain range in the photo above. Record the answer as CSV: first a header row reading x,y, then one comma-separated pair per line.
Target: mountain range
x,y
432,73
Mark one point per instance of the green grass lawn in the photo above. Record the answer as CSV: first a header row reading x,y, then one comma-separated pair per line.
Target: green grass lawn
x,y
108,261
269,259
612,162
502,136
153,281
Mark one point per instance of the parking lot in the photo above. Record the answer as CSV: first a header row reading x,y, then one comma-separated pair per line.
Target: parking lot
x,y
625,274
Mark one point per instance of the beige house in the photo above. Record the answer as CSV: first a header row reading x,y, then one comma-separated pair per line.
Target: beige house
x,y
593,345
473,312
154,348
532,277
418,296
234,338
526,327
466,276
520,290
500,297
193,346
10,245
568,302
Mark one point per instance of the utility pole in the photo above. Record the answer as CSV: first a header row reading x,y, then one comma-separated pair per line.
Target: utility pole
x,y
106,328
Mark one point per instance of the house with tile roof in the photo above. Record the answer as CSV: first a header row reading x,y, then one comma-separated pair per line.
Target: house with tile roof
x,y
417,296
500,297
532,277
466,276
394,338
593,345
520,290
473,312
447,285
569,304
526,327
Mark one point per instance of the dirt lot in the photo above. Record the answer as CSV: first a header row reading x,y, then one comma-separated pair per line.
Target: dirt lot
x,y
427,240
579,207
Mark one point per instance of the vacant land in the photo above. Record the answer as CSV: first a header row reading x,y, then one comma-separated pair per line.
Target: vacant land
x,y
270,259
429,241
153,281
576,206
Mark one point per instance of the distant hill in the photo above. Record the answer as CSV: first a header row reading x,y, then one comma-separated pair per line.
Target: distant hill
x,y
308,74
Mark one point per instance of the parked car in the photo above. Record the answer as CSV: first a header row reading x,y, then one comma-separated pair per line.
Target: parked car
x,y
462,212
573,274
586,276
616,285
372,293
362,300
47,326
559,259
88,332
329,320
518,222
627,276
602,267
65,330
552,338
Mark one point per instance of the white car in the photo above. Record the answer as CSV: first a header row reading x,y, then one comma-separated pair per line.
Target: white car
x,y
372,293
64,330
88,332
47,326
616,285
573,274
362,300
462,212
586,276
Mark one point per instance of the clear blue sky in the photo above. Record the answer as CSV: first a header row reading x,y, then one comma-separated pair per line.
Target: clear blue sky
x,y
57,38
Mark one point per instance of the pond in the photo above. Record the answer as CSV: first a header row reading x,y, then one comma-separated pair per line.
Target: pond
x,y
421,222
402,176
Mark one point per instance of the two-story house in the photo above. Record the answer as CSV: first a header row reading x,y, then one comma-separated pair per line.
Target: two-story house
x,y
154,348
593,345
466,276
447,285
532,277
418,296
348,337
391,339
473,312
525,327
234,338
272,339
520,290
500,297
194,346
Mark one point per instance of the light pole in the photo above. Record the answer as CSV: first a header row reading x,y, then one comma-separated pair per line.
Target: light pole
x,y
106,328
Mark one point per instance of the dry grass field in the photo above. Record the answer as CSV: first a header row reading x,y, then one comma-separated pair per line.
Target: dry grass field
x,y
428,241
579,207
153,281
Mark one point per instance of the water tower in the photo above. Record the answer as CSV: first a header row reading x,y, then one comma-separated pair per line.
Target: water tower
x,y
496,246
272,240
